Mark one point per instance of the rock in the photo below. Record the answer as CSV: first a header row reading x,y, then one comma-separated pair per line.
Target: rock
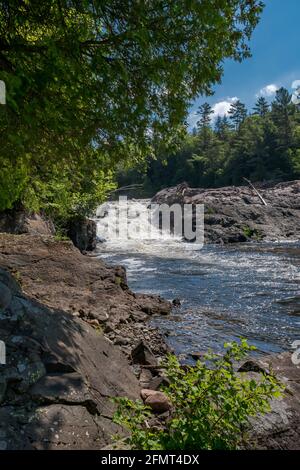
x,y
93,322
251,366
83,233
145,378
61,372
142,354
236,214
5,296
158,401
20,221
157,382
121,341
176,302
196,355
3,385
280,428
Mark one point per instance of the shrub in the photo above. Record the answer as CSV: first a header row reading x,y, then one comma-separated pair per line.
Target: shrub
x,y
211,404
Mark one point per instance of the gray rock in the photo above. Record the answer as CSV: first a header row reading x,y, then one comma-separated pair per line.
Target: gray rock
x,y
5,296
236,214
142,354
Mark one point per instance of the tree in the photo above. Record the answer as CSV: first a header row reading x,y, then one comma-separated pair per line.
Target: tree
x,y
99,79
222,127
237,113
205,112
261,107
282,111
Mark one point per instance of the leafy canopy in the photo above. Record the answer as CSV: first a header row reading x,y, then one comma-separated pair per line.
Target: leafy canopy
x,y
101,79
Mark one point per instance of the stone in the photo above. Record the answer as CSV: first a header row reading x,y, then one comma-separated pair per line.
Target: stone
x,y
61,372
20,221
176,302
142,354
5,296
236,214
157,400
251,366
157,382
121,341
83,233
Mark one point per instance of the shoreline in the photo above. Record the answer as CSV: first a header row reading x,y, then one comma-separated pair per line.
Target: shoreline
x,y
77,336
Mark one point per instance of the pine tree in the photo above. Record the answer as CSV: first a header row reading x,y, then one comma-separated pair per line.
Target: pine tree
x,y
205,112
261,107
282,112
237,113
222,127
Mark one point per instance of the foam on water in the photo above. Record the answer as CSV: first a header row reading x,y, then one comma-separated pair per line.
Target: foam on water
x,y
249,290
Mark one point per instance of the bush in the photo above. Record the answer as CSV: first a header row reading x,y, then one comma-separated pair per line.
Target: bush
x,y
211,405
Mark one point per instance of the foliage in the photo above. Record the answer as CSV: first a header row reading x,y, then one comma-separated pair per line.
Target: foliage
x,y
212,404
264,145
109,79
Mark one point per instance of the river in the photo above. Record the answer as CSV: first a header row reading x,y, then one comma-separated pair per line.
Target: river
x,y
246,290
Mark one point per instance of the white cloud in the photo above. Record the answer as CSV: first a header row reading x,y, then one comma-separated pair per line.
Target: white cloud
x,y
268,90
222,107
295,84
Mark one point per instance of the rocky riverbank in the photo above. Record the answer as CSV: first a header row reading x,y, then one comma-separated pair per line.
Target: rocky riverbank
x,y
76,336
237,214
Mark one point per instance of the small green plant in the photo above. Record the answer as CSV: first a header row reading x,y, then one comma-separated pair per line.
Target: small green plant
x,y
211,404
251,233
210,211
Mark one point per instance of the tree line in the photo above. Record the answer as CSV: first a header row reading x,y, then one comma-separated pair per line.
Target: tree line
x,y
262,145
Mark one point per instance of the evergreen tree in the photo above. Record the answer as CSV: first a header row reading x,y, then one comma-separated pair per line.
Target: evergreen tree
x,y
261,107
205,112
237,113
282,111
222,127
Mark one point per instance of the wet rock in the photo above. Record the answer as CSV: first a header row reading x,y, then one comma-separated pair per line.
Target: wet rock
x,y
176,302
157,400
196,355
142,354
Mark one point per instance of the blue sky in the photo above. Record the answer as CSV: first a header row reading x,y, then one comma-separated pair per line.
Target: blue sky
x,y
275,61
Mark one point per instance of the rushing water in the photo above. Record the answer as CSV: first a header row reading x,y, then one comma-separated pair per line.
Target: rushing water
x,y
249,290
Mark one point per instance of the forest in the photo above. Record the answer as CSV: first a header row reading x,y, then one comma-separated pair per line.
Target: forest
x,y
262,144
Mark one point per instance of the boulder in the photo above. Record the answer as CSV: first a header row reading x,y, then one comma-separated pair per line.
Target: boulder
x,y
237,215
142,354
19,221
157,400
83,233
61,371
5,296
